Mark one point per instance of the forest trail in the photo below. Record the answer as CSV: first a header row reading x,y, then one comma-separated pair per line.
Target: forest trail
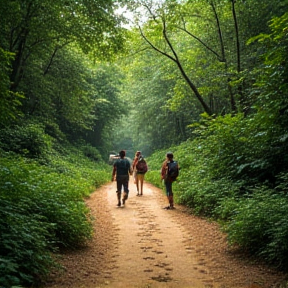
x,y
142,245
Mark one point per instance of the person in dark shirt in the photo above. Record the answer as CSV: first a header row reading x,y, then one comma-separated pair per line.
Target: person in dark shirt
x,y
167,180
122,169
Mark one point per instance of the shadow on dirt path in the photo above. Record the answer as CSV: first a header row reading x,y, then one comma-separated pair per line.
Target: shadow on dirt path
x,y
142,245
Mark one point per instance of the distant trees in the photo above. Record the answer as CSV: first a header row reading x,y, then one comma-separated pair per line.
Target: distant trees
x,y
47,72
199,50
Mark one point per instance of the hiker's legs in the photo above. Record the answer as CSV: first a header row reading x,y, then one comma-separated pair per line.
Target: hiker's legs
x,y
170,199
140,178
135,176
169,193
137,182
125,181
118,196
119,189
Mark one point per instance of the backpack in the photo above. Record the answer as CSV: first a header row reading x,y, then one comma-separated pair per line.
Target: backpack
x,y
141,165
173,171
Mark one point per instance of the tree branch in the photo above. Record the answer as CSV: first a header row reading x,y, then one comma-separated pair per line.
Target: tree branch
x,y
154,47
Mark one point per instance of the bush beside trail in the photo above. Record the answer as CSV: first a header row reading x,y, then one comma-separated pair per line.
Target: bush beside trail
x,y
43,210
231,174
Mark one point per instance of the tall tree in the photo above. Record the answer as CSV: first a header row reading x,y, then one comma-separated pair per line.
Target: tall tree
x,y
32,25
214,47
156,120
159,21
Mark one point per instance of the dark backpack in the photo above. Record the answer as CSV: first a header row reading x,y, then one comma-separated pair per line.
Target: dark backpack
x,y
141,165
173,170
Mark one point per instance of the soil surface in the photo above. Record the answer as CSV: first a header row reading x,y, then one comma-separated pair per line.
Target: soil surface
x,y
141,245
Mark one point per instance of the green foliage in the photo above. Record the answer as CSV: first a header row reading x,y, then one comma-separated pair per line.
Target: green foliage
x,y
233,173
162,103
154,119
154,177
52,129
9,101
29,140
260,225
243,147
43,210
106,82
47,58
96,29
26,245
91,152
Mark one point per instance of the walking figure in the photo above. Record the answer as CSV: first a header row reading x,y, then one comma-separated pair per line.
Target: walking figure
x,y
139,169
169,173
122,169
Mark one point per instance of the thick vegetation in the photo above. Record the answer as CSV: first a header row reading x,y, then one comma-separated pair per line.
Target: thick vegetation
x,y
235,170
43,208
206,79
55,109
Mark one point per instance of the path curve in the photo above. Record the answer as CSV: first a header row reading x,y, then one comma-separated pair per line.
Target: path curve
x,y
142,245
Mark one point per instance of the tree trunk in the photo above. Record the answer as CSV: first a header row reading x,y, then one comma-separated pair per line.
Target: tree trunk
x,y
232,98
176,60
241,96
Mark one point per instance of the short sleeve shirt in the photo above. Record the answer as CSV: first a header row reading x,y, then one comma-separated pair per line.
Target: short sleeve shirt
x,y
122,166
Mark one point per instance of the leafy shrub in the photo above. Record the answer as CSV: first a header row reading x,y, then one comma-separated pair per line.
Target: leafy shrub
x,y
260,225
29,140
238,147
53,130
24,246
154,177
91,152
228,173
43,210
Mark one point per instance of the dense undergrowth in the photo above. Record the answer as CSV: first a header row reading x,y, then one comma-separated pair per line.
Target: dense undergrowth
x,y
235,172
235,169
43,187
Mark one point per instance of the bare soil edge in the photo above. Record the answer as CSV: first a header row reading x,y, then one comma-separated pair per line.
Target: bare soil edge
x,y
97,265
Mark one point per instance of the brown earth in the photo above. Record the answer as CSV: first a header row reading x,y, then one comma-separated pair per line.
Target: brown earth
x,y
142,245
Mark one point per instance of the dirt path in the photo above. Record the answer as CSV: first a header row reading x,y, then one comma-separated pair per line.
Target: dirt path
x,y
142,245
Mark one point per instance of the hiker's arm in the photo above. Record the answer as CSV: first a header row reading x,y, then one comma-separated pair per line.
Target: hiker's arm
x,y
113,173
131,170
134,163
164,170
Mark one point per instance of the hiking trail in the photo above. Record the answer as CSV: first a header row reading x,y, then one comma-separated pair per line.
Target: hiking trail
x,y
142,245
